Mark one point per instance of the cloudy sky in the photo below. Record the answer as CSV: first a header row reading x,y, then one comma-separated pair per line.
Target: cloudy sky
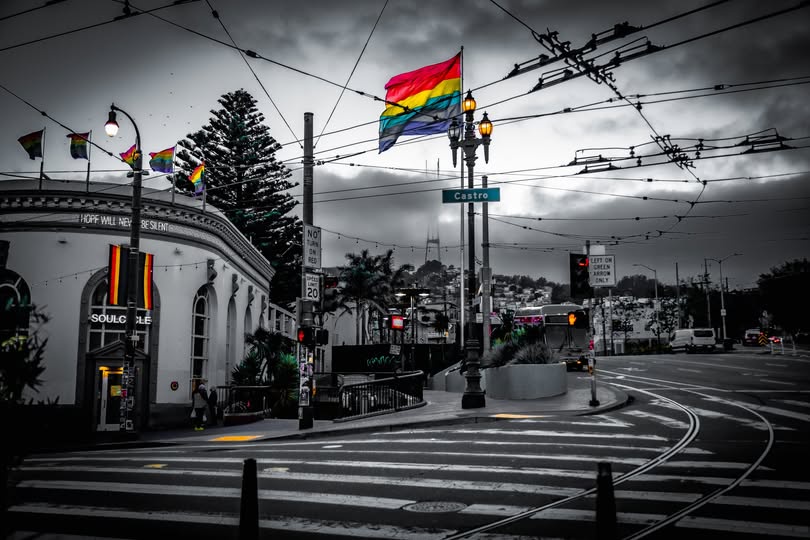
x,y
167,72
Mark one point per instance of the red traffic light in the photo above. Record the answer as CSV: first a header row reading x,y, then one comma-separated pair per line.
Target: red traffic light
x,y
306,335
584,262
397,322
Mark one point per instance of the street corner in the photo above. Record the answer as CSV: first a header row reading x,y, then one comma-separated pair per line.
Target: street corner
x,y
608,399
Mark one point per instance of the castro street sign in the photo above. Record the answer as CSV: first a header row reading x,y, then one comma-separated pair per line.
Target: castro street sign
x,y
471,195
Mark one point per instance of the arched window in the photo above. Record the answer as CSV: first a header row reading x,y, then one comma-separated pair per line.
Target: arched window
x,y
108,323
261,320
15,305
200,326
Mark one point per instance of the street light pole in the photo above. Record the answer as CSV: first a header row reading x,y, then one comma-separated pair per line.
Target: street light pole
x,y
657,322
130,335
722,298
473,394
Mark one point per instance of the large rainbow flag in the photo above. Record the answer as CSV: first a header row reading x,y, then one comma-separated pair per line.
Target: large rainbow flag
x,y
129,156
33,143
426,99
78,145
197,178
162,161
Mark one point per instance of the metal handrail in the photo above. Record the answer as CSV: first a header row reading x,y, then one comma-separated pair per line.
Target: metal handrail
x,y
380,396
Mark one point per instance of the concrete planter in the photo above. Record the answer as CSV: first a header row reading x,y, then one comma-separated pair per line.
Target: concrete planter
x,y
526,381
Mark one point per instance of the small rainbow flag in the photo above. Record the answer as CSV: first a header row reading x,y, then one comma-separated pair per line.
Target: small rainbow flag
x,y
162,161
78,145
129,156
32,143
198,178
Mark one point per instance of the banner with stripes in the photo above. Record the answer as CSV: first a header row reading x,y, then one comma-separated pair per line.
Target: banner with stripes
x,y
118,271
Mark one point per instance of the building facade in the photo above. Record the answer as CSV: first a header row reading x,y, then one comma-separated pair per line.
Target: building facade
x,y
210,287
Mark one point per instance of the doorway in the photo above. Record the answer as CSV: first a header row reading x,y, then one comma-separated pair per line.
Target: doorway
x,y
108,398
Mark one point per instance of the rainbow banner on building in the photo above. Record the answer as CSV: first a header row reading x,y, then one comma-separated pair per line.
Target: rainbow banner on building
x,y
421,102
162,161
78,145
118,272
129,156
197,178
33,143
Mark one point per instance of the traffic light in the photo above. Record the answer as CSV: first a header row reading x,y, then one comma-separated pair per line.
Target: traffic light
x,y
304,312
322,336
578,318
306,335
397,322
579,267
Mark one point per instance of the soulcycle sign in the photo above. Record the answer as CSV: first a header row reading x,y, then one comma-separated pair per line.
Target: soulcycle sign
x,y
119,319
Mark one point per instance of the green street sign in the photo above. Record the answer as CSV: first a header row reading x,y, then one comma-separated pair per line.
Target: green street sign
x,y
471,195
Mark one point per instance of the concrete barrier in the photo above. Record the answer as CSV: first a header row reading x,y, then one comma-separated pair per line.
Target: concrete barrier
x,y
526,381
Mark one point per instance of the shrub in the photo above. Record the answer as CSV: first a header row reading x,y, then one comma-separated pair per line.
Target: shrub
x,y
532,353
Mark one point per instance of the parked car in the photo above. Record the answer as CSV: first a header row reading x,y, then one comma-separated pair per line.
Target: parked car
x,y
693,339
751,337
775,339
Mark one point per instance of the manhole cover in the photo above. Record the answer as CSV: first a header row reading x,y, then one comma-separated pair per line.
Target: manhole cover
x,y
435,507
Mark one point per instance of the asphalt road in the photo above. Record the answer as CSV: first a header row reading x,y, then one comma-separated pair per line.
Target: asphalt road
x,y
711,446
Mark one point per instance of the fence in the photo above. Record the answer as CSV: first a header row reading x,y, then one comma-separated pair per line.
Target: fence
x,y
243,404
380,396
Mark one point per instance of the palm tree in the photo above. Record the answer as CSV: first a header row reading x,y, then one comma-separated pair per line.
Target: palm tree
x,y
368,280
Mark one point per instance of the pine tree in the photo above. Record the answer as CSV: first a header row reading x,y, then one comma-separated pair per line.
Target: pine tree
x,y
249,185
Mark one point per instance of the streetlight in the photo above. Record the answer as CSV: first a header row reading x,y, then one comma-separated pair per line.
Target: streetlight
x,y
413,293
657,324
722,300
473,394
130,335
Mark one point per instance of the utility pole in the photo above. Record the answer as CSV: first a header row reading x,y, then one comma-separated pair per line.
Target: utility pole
x,y
678,294
305,412
486,277
708,299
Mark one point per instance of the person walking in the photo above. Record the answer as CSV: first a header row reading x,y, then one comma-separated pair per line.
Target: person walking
x,y
199,402
212,406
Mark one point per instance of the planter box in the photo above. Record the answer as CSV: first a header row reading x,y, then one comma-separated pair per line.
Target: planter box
x,y
526,381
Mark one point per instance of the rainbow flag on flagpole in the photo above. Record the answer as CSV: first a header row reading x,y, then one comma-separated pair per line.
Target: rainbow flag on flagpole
x,y
197,178
421,102
129,156
162,161
33,143
78,145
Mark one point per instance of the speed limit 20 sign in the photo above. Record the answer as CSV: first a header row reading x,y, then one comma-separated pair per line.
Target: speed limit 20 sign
x,y
312,287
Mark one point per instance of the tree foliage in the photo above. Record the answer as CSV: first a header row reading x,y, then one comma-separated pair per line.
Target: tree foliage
x,y
248,184
786,295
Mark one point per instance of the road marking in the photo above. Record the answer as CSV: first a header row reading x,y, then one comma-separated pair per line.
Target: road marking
x,y
544,433
776,484
794,402
155,465
781,412
778,382
709,465
235,438
330,528
332,446
759,502
775,365
769,530
689,370
511,416
667,421
748,422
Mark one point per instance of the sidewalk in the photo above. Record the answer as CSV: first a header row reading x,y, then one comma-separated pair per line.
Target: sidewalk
x,y
441,408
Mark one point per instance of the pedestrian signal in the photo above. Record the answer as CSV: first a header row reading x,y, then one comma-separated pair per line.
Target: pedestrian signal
x,y
306,335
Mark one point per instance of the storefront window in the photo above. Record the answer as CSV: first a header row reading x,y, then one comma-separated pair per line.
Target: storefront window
x,y
15,306
201,319
108,323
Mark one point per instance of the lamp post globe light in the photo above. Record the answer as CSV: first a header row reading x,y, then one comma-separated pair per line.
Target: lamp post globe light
x,y
722,299
473,394
657,322
130,336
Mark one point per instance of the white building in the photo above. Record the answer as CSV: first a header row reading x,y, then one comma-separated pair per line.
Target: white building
x,y
211,286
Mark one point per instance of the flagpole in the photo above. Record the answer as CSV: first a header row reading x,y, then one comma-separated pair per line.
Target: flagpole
x,y
461,305
89,145
174,153
42,158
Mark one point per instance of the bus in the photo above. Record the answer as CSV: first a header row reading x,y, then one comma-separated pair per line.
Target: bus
x,y
565,328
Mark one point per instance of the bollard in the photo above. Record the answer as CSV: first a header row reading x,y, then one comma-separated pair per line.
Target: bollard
x,y
249,507
605,503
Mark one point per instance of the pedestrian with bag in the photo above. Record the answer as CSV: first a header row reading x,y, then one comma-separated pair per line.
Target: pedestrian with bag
x,y
212,407
199,403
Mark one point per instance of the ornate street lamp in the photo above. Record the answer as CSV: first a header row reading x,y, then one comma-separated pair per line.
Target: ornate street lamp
x,y
473,394
130,335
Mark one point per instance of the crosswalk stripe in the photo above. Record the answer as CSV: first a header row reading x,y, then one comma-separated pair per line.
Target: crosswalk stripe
x,y
795,402
667,421
747,527
763,503
544,433
777,484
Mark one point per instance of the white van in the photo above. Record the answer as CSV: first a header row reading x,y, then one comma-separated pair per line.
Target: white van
x,y
692,339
